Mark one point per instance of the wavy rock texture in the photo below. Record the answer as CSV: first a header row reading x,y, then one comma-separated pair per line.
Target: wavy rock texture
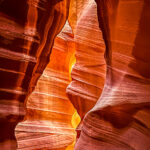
x,y
51,118
27,31
88,74
121,117
76,10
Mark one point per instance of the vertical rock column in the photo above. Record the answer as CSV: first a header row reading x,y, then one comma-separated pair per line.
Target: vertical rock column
x,y
51,118
121,118
27,31
88,74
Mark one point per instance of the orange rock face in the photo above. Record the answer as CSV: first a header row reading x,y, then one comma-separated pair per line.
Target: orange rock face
x,y
116,117
27,32
51,118
121,117
88,74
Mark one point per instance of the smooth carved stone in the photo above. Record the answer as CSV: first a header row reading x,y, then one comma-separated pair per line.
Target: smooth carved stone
x,y
121,118
76,9
27,32
88,74
51,119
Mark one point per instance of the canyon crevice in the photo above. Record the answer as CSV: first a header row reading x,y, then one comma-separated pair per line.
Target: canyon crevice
x,y
120,118
27,32
88,73
51,119
75,74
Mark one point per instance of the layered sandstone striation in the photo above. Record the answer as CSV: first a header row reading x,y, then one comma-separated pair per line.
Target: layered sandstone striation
x,y
51,119
114,118
121,117
27,32
88,73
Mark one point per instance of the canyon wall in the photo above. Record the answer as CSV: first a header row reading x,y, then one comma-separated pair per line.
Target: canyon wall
x,y
27,32
112,118
88,73
121,117
51,119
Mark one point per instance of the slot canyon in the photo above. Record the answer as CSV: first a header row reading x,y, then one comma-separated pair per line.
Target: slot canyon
x,y
74,74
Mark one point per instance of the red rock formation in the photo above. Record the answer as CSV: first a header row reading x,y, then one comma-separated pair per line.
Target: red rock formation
x,y
121,117
88,74
27,31
51,119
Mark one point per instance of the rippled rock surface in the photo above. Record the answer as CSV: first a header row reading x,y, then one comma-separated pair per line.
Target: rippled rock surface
x,y
88,73
121,117
116,117
51,118
27,32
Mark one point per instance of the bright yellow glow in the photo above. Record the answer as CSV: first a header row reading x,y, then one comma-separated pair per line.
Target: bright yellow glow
x,y
70,147
71,64
75,120
75,117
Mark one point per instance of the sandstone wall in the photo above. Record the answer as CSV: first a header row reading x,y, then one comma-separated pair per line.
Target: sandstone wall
x,y
51,119
88,74
121,117
27,32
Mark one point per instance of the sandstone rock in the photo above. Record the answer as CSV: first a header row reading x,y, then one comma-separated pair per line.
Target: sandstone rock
x,y
88,74
120,119
51,118
27,32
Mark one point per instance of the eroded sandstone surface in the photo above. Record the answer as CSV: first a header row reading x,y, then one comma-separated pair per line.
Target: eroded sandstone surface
x,y
99,68
88,73
121,117
51,119
27,32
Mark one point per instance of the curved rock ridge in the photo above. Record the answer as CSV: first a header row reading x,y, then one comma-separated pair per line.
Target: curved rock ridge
x,y
76,10
88,73
27,32
51,118
116,117
120,120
